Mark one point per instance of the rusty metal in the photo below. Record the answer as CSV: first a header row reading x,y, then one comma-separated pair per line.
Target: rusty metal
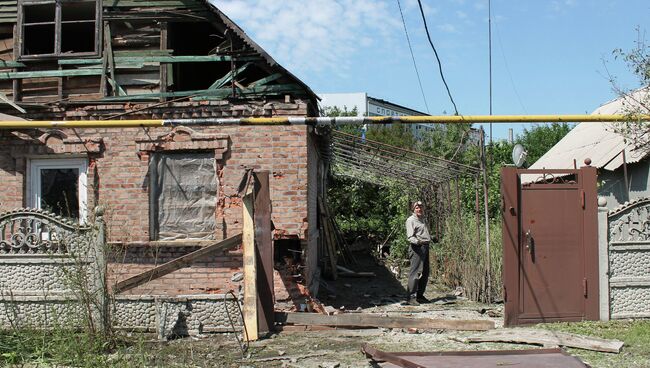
x,y
530,358
550,246
263,251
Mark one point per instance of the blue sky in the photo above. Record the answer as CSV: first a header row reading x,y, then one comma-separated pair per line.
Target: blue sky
x,y
548,57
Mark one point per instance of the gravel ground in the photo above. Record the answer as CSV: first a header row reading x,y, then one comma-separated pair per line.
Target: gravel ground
x,y
340,348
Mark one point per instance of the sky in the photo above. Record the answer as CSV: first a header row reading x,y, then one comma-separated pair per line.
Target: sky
x,y
548,57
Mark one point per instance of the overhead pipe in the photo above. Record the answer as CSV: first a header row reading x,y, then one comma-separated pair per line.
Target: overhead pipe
x,y
325,121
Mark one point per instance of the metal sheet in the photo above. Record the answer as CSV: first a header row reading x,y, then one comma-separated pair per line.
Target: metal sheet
x,y
552,273
551,254
532,358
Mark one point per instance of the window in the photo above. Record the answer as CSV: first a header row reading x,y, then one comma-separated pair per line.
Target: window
x,y
183,195
59,186
58,28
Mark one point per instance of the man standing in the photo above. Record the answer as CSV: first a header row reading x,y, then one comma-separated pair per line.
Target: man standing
x,y
417,233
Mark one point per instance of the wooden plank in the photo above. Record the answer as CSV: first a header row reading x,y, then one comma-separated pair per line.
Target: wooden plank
x,y
162,69
262,91
177,264
228,77
265,80
110,68
264,251
6,100
93,61
139,53
50,73
116,87
327,238
11,64
16,84
205,94
103,86
548,338
377,320
250,266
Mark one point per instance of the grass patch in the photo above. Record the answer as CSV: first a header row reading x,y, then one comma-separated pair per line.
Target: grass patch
x,y
66,347
635,335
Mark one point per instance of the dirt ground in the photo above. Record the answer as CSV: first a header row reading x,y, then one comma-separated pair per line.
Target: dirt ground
x,y
382,294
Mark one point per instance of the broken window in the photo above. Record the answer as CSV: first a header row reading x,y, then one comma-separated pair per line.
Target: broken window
x,y
58,28
183,195
190,39
59,186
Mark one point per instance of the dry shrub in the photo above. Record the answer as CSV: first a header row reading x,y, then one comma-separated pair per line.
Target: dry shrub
x,y
460,258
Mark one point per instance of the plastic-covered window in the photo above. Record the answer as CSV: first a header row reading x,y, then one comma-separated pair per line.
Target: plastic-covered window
x,y
183,196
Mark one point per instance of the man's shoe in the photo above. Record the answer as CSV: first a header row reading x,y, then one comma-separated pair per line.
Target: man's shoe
x,y
412,301
423,300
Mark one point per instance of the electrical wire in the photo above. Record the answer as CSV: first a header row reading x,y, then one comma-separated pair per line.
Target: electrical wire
x,y
426,28
415,66
505,63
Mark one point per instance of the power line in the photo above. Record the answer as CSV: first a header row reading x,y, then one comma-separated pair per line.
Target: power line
x,y
408,39
426,28
490,58
505,63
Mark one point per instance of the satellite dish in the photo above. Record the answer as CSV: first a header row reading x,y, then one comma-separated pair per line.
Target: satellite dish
x,y
519,155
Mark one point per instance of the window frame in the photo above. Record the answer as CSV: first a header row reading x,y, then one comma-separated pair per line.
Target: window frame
x,y
57,54
34,187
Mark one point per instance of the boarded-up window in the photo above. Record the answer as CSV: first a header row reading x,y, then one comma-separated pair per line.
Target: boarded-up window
x,y
183,195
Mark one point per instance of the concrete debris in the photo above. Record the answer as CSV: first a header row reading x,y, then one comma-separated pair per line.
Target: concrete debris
x,y
237,277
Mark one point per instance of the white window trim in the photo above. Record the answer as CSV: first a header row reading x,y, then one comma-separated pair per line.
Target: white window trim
x,y
36,165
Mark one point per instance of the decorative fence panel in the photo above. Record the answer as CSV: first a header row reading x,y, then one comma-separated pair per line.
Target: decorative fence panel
x,y
629,260
52,271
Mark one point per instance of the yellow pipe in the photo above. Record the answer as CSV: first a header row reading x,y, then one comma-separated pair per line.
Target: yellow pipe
x,y
440,119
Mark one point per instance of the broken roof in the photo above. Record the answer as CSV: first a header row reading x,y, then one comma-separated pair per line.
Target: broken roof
x,y
596,141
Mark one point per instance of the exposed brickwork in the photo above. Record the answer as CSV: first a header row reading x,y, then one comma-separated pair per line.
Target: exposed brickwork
x,y
118,179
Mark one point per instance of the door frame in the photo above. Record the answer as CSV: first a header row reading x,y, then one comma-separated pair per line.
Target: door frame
x,y
512,241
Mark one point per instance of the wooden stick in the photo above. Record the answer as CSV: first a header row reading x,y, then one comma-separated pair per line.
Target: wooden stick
x,y
176,264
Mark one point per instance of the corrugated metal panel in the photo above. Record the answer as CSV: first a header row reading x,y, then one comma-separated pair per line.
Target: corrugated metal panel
x,y
596,141
8,11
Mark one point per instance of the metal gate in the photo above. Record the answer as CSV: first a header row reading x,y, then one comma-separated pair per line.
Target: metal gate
x,y
550,245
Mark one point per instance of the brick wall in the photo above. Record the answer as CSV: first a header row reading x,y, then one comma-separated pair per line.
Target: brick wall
x,y
118,179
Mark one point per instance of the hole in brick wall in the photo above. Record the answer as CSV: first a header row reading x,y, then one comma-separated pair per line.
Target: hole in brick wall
x,y
287,252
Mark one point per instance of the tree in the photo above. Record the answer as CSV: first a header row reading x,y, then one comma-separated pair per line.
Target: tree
x,y
540,138
635,102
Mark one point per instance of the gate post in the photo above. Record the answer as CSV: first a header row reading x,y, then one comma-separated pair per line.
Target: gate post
x,y
590,240
510,242
603,258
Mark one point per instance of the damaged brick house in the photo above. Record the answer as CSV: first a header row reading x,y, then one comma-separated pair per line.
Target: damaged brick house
x,y
166,190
